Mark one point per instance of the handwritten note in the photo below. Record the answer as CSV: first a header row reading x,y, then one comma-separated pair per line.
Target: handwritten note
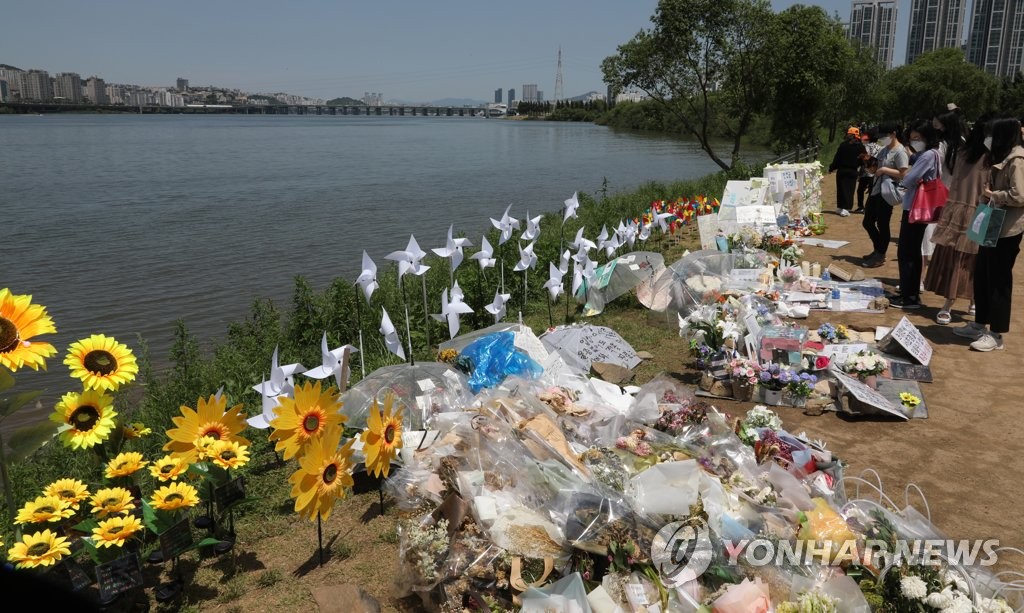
x,y
866,395
176,540
119,576
907,336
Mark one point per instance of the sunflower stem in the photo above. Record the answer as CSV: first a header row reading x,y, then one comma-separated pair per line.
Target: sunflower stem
x,y
320,538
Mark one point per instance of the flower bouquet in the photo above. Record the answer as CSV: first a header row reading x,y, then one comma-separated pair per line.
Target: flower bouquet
x,y
866,365
744,374
773,379
909,402
833,334
800,387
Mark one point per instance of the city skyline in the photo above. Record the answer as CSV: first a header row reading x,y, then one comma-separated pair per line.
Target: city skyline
x,y
406,50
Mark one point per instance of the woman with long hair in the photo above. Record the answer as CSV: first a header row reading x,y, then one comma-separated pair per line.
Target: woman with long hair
x,y
993,268
951,271
924,139
892,165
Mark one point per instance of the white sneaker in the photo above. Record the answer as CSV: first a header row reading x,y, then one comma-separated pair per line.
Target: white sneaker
x,y
971,330
844,213
988,342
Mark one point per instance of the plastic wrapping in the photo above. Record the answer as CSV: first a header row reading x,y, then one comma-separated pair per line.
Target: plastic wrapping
x,y
566,595
494,357
424,390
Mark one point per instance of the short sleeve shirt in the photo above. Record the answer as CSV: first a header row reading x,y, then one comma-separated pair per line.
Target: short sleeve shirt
x,y
896,158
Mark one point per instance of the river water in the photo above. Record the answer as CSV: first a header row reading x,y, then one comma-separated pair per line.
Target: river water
x,y
121,224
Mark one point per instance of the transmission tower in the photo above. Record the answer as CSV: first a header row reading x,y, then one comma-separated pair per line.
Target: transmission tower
x,y
558,77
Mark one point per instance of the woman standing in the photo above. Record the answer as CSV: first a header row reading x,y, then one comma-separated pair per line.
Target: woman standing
x,y
951,271
892,165
846,164
993,270
925,140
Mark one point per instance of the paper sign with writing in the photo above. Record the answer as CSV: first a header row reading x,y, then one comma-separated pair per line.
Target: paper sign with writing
x,y
867,395
119,576
176,540
755,214
229,493
911,340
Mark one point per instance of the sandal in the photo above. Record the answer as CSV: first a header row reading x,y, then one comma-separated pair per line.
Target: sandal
x,y
944,318
970,311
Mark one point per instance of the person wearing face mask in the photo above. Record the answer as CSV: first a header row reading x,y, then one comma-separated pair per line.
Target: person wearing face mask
x,y
924,139
892,165
951,271
867,174
993,268
846,163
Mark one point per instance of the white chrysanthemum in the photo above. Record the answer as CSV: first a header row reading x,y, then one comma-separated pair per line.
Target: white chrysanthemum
x,y
913,587
940,600
955,580
993,605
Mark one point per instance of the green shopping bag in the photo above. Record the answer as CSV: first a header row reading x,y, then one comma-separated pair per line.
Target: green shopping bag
x,y
986,225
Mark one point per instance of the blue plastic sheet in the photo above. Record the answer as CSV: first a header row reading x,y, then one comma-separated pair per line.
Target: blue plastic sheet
x,y
495,357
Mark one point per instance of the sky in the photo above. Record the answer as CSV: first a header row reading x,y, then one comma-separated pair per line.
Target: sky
x,y
408,50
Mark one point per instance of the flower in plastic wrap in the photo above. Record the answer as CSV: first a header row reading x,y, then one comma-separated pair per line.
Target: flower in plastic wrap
x,y
824,523
865,364
913,587
762,417
746,597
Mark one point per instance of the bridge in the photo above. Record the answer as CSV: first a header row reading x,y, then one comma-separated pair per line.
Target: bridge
x,y
252,109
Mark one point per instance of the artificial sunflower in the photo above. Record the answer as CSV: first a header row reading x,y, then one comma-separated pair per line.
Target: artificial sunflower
x,y
382,437
20,320
86,419
112,501
203,445
101,362
211,419
40,549
44,509
229,454
324,473
301,419
71,491
116,531
168,468
175,496
136,430
125,464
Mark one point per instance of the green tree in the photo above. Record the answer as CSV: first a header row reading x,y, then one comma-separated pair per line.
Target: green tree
x,y
923,89
856,95
1011,95
699,55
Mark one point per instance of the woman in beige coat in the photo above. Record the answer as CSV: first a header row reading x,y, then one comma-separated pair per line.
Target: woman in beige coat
x,y
951,270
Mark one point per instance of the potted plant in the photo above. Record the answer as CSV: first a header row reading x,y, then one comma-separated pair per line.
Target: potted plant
x,y
772,379
909,402
800,388
744,374
866,366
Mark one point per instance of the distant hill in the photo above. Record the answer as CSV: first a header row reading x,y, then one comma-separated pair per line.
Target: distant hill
x,y
443,102
345,101
8,67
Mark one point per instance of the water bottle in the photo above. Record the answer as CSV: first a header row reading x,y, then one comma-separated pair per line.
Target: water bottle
x,y
825,276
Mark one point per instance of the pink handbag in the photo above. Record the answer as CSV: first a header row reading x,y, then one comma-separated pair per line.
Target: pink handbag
x,y
929,198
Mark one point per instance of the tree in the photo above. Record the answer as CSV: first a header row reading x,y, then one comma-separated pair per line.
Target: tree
x,y
699,54
856,95
924,88
1011,95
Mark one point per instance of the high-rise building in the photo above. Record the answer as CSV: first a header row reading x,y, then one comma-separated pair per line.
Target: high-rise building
x,y
96,90
935,24
497,96
530,92
873,24
35,85
996,40
181,85
68,87
511,96
13,77
540,96
5,93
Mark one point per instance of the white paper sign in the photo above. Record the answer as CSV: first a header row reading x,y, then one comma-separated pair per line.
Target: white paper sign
x,y
755,214
911,339
839,353
867,395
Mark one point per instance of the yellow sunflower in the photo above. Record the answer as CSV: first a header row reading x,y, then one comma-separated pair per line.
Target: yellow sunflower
x,y
229,454
101,362
210,419
112,501
39,549
300,419
175,496
324,473
71,491
382,437
135,430
20,320
43,509
86,419
168,468
125,464
116,531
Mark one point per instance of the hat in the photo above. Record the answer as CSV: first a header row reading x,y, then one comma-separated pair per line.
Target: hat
x,y
952,107
853,130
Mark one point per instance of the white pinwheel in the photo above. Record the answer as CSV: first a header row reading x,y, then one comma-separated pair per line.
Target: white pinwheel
x,y
409,260
497,308
506,224
527,259
554,282
662,220
582,244
610,244
333,362
571,204
563,262
532,230
485,257
453,248
451,309
367,279
282,378
267,414
391,340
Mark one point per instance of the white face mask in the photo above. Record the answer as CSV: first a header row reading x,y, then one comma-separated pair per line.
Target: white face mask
x,y
918,145
885,141
988,143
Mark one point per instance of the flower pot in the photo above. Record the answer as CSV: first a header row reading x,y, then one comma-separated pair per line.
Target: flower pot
x,y
870,381
798,401
773,397
742,390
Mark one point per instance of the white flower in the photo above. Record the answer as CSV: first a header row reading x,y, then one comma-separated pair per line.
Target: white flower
x,y
993,605
940,600
955,580
913,587
961,604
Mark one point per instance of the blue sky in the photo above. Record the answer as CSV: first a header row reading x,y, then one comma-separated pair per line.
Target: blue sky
x,y
408,50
